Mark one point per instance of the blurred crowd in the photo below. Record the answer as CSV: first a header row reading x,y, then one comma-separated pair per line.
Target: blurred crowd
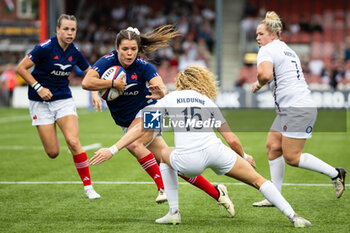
x,y
194,20
98,27
326,65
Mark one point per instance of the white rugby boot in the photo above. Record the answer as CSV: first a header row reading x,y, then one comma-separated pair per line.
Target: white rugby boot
x,y
224,200
339,182
300,222
91,193
171,219
161,198
263,203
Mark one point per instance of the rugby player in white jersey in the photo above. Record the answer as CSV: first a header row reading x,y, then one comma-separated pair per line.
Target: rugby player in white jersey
x,y
196,145
279,67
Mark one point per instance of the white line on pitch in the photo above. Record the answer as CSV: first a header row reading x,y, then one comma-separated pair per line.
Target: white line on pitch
x,y
15,119
92,146
141,183
87,147
21,147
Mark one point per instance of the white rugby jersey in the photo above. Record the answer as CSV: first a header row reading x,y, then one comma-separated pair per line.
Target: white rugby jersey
x,y
192,115
288,83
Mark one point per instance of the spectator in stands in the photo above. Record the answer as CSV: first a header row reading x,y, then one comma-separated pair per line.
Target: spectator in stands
x,y
8,83
315,66
248,72
316,24
338,73
345,82
304,24
347,50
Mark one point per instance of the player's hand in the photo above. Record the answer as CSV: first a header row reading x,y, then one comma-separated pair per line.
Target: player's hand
x,y
119,84
96,101
45,94
157,92
251,161
255,87
100,156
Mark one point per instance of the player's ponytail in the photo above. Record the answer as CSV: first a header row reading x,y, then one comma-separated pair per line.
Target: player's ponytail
x,y
273,23
151,41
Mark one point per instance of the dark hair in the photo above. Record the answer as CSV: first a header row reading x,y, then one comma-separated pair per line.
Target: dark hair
x,y
65,16
149,42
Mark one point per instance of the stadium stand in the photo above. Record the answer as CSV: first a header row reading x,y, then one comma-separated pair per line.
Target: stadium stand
x,y
323,26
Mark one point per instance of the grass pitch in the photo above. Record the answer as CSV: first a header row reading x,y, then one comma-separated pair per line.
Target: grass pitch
x,y
38,194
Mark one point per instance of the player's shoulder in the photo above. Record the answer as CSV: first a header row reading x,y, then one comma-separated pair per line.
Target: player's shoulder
x,y
110,56
142,63
141,60
47,43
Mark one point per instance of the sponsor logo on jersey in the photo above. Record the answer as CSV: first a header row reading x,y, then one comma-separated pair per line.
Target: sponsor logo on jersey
x,y
131,93
70,58
60,73
151,119
130,85
134,76
56,57
63,67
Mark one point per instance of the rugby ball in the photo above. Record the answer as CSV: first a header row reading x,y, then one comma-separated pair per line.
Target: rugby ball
x,y
113,72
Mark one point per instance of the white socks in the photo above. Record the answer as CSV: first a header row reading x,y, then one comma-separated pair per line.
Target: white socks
x,y
271,193
310,162
277,172
171,182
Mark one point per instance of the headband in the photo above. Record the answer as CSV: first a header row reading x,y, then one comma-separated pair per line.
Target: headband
x,y
135,30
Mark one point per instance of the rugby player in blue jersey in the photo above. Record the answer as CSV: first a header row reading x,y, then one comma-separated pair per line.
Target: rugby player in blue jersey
x,y
126,109
50,99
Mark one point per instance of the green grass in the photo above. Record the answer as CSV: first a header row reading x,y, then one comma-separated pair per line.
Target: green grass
x,y
131,207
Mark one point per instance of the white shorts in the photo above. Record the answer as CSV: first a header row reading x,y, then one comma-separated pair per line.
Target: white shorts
x,y
218,157
46,113
295,122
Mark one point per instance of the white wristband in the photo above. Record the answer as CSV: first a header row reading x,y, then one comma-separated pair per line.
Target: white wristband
x,y
39,89
113,149
37,86
245,156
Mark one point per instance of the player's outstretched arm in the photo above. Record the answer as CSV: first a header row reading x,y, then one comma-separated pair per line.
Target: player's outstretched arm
x,y
105,154
234,142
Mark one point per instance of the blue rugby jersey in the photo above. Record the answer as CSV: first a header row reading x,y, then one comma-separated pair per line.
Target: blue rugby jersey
x,y
124,108
53,66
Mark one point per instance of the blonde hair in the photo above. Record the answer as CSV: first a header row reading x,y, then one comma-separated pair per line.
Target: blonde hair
x,y
273,23
199,79
151,41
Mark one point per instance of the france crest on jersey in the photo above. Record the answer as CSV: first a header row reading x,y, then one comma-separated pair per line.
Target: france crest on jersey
x,y
124,108
53,65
